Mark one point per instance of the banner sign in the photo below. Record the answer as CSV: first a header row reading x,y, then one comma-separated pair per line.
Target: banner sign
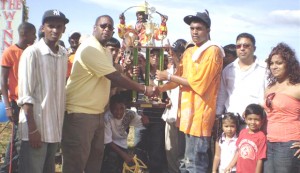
x,y
11,13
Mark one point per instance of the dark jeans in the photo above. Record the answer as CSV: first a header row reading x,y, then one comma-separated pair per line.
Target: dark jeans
x,y
281,159
15,142
152,146
196,157
112,161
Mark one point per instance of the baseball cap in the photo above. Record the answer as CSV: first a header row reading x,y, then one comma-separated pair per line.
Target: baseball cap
x,y
202,17
54,14
179,46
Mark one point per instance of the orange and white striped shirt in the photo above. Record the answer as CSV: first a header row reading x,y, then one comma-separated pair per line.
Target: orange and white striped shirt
x,y
196,113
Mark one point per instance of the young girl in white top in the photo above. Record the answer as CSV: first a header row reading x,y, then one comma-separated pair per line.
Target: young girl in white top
x,y
225,147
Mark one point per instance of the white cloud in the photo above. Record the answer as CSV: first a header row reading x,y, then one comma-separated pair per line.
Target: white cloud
x,y
287,17
277,17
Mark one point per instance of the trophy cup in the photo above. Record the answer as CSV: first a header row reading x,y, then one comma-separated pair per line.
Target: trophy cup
x,y
146,41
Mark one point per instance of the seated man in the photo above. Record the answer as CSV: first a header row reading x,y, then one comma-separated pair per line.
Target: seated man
x,y
117,121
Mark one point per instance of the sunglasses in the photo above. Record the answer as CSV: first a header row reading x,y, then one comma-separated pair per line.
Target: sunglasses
x,y
269,100
105,25
246,46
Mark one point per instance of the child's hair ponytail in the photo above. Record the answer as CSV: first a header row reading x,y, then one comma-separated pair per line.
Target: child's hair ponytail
x,y
228,116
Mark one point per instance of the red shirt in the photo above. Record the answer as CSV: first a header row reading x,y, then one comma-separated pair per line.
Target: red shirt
x,y
251,148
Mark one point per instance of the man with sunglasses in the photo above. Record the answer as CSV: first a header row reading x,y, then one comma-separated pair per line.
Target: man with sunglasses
x,y
88,90
244,80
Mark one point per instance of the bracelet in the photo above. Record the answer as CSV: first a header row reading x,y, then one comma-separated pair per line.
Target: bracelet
x,y
7,108
145,90
33,132
169,76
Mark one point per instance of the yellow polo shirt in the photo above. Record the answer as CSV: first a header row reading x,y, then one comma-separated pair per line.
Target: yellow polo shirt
x,y
87,87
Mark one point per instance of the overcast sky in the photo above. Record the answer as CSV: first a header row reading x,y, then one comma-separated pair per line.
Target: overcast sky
x,y
270,21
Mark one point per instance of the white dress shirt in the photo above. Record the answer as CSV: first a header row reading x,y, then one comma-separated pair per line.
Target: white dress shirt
x,y
42,79
240,88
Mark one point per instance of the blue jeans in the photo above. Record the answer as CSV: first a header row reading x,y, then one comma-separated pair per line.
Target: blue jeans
x,y
280,158
196,159
37,160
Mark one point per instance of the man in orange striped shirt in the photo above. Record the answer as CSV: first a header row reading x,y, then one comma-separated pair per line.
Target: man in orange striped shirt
x,y
198,76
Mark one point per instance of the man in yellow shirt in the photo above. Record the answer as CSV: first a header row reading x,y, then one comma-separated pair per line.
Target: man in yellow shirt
x,y
88,90
198,76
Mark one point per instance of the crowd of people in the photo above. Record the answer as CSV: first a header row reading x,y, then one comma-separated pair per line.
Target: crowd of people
x,y
225,110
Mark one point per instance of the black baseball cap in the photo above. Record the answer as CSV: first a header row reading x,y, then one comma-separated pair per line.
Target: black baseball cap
x,y
202,17
54,14
179,46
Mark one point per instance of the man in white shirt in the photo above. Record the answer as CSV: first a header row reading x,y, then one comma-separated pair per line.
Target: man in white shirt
x,y
244,80
42,79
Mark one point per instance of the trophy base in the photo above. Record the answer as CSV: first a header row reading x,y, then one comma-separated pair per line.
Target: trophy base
x,y
150,104
146,102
